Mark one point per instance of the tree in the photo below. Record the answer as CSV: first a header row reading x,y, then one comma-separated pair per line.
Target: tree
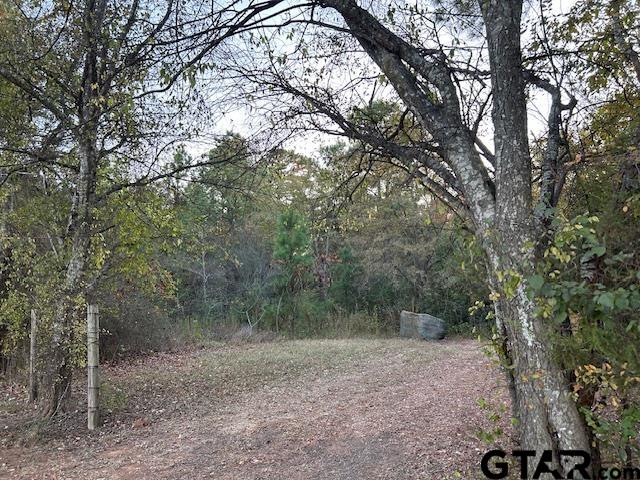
x,y
293,251
445,89
344,287
439,137
211,203
108,80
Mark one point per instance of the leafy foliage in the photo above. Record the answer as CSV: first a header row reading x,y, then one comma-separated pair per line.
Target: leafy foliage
x,y
591,295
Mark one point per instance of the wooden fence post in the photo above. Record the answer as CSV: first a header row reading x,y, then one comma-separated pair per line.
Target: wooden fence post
x,y
93,378
33,383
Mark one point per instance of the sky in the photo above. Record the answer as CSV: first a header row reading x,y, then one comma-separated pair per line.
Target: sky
x,y
240,120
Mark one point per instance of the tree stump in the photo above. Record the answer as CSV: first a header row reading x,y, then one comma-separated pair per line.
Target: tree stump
x,y
421,325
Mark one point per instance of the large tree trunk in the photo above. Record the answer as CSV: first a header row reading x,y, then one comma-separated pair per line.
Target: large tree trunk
x,y
547,416
81,216
72,290
65,314
502,209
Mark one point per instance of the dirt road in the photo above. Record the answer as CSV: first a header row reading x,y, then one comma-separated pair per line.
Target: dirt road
x,y
343,409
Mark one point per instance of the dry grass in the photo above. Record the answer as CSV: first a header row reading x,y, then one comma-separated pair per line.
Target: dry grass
x,y
360,408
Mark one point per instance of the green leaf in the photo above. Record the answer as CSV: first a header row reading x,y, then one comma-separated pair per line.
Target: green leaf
x,y
622,302
536,282
560,316
606,299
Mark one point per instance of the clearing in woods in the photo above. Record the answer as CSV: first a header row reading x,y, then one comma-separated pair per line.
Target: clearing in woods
x,y
308,409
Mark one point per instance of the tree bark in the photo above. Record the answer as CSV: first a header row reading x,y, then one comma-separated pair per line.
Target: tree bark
x,y
66,311
501,208
81,216
548,417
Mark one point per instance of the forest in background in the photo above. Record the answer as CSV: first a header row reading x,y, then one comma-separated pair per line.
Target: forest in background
x,y
261,244
533,240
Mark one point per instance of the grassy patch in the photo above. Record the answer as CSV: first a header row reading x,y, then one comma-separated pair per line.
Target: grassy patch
x,y
164,385
211,375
